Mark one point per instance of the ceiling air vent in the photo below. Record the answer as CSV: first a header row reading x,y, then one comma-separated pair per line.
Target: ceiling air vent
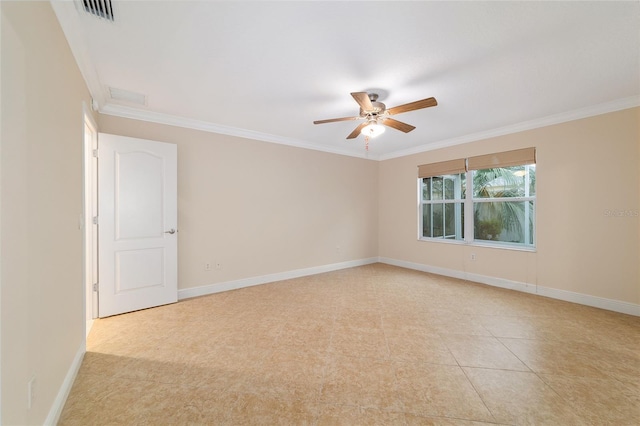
x,y
100,8
127,96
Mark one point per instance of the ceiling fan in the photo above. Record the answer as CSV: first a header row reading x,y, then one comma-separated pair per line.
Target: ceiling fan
x,y
377,115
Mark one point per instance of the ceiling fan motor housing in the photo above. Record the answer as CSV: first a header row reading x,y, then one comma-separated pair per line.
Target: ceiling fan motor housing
x,y
378,107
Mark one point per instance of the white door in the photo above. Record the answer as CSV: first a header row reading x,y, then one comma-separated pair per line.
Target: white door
x,y
137,224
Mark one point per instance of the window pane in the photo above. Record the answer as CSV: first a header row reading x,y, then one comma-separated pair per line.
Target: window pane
x,y
438,230
449,185
502,182
450,220
504,221
426,188
519,182
463,185
426,220
436,193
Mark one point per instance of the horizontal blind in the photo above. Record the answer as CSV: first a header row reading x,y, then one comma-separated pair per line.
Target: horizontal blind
x,y
516,157
442,168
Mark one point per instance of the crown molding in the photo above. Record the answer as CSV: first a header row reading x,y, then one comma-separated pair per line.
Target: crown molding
x,y
616,105
160,118
205,126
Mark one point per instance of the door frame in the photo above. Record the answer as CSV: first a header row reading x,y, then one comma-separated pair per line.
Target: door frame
x,y
90,242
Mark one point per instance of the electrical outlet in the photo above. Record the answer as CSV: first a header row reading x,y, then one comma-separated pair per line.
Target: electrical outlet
x,y
218,266
473,256
31,392
207,266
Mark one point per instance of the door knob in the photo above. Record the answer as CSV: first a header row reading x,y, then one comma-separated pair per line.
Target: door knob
x,y
171,231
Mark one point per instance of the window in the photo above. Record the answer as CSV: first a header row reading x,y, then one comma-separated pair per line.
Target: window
x,y
486,199
442,206
504,204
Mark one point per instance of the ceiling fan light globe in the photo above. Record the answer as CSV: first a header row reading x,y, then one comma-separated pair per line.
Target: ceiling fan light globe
x,y
372,130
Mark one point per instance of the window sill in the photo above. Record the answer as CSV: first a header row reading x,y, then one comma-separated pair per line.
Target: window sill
x,y
480,244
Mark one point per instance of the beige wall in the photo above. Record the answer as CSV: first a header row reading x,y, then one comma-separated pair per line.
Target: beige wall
x,y
584,168
42,310
259,208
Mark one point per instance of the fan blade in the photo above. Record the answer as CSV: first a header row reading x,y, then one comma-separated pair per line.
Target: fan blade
x,y
357,131
362,98
332,120
398,125
424,103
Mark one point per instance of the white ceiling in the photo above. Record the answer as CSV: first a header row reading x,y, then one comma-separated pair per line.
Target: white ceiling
x,y
267,69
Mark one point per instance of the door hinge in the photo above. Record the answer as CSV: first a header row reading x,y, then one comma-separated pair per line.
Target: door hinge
x,y
94,220
95,287
95,153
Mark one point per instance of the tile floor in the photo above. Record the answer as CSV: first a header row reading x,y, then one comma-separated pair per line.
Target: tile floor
x,y
373,345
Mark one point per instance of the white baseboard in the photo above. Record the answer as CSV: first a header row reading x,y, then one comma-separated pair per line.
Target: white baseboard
x,y
65,388
594,301
264,279
567,296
